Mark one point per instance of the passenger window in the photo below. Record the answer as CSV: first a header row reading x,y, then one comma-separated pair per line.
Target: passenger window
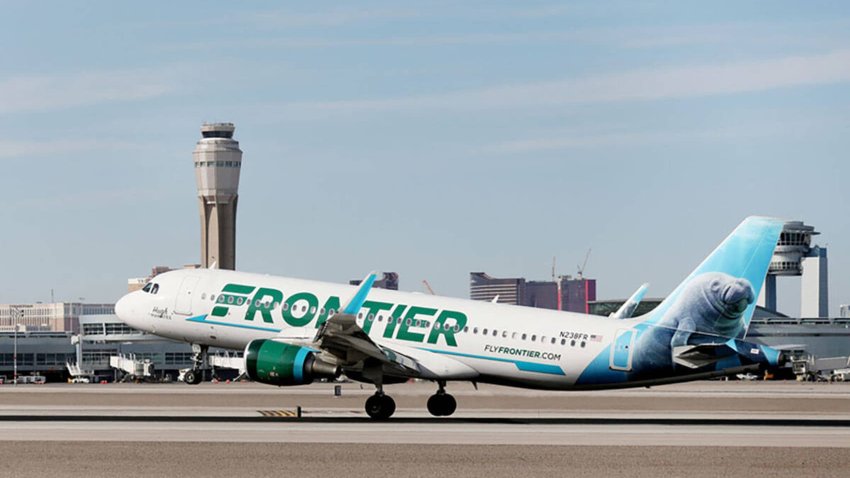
x,y
475,330
275,305
553,340
572,343
331,313
524,336
380,318
409,322
447,326
371,317
204,296
504,334
466,329
582,344
563,341
240,300
533,338
484,332
212,297
285,306
513,335
457,329
495,332
312,310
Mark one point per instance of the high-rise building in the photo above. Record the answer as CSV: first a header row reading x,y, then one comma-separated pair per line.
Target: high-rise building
x,y
576,293
484,287
388,280
218,161
565,293
541,294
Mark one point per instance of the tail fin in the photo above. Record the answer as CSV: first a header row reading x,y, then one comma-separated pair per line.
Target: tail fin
x,y
719,296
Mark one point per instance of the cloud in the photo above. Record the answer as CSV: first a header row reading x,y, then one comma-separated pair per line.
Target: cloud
x,y
329,18
664,83
16,149
809,125
51,92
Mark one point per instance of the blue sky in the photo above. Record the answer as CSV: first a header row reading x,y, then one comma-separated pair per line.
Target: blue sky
x,y
430,138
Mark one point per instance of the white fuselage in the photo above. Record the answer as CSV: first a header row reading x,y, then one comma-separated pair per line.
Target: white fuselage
x,y
505,344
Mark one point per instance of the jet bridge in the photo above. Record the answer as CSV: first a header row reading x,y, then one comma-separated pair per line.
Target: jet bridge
x,y
133,367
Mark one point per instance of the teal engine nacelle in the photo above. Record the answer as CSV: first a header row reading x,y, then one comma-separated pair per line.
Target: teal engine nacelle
x,y
277,363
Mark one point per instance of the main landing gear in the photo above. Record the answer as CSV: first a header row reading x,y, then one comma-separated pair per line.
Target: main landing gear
x,y
195,375
441,404
380,406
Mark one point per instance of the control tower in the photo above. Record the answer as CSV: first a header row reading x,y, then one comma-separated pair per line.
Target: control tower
x,y
218,161
795,256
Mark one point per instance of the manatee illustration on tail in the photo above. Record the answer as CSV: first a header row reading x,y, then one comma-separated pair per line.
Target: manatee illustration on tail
x,y
705,318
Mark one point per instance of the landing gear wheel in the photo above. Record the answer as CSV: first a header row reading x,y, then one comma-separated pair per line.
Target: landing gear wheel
x,y
441,404
380,406
192,377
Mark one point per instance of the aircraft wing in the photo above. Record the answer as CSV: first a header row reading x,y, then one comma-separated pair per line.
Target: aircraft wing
x,y
352,348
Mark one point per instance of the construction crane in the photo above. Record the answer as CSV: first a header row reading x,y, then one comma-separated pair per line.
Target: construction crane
x,y
583,265
428,287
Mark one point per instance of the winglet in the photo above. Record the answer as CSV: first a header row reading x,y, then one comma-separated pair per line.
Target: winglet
x,y
628,308
356,302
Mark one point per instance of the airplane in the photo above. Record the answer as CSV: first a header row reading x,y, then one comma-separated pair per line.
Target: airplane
x,y
296,331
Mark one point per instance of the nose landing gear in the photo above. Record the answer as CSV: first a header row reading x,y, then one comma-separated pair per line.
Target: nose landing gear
x,y
195,375
441,404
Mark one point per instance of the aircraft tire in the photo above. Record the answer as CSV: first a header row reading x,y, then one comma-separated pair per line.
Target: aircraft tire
x,y
192,377
380,406
441,404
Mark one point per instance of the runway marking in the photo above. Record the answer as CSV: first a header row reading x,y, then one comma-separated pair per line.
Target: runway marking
x,y
297,431
278,413
267,416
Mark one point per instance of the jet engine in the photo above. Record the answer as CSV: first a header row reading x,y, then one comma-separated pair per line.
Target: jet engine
x,y
277,363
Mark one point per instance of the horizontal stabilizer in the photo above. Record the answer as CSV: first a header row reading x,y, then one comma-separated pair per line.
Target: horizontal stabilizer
x,y
698,356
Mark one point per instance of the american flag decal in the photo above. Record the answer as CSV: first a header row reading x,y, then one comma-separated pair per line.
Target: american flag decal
x,y
595,338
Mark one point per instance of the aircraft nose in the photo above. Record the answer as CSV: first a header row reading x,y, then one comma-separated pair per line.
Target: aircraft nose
x,y
123,308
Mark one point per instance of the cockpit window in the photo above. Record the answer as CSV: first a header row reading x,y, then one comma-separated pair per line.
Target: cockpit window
x,y
147,287
155,289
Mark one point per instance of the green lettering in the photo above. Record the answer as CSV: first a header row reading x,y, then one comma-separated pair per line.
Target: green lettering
x,y
307,312
263,307
373,308
396,314
332,304
410,321
445,326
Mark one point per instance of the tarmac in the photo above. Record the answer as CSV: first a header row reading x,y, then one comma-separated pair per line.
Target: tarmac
x,y
227,429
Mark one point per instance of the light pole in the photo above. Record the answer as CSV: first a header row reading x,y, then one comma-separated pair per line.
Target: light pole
x,y
19,314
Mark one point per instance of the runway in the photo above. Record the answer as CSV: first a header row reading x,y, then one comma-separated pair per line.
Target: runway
x,y
786,428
